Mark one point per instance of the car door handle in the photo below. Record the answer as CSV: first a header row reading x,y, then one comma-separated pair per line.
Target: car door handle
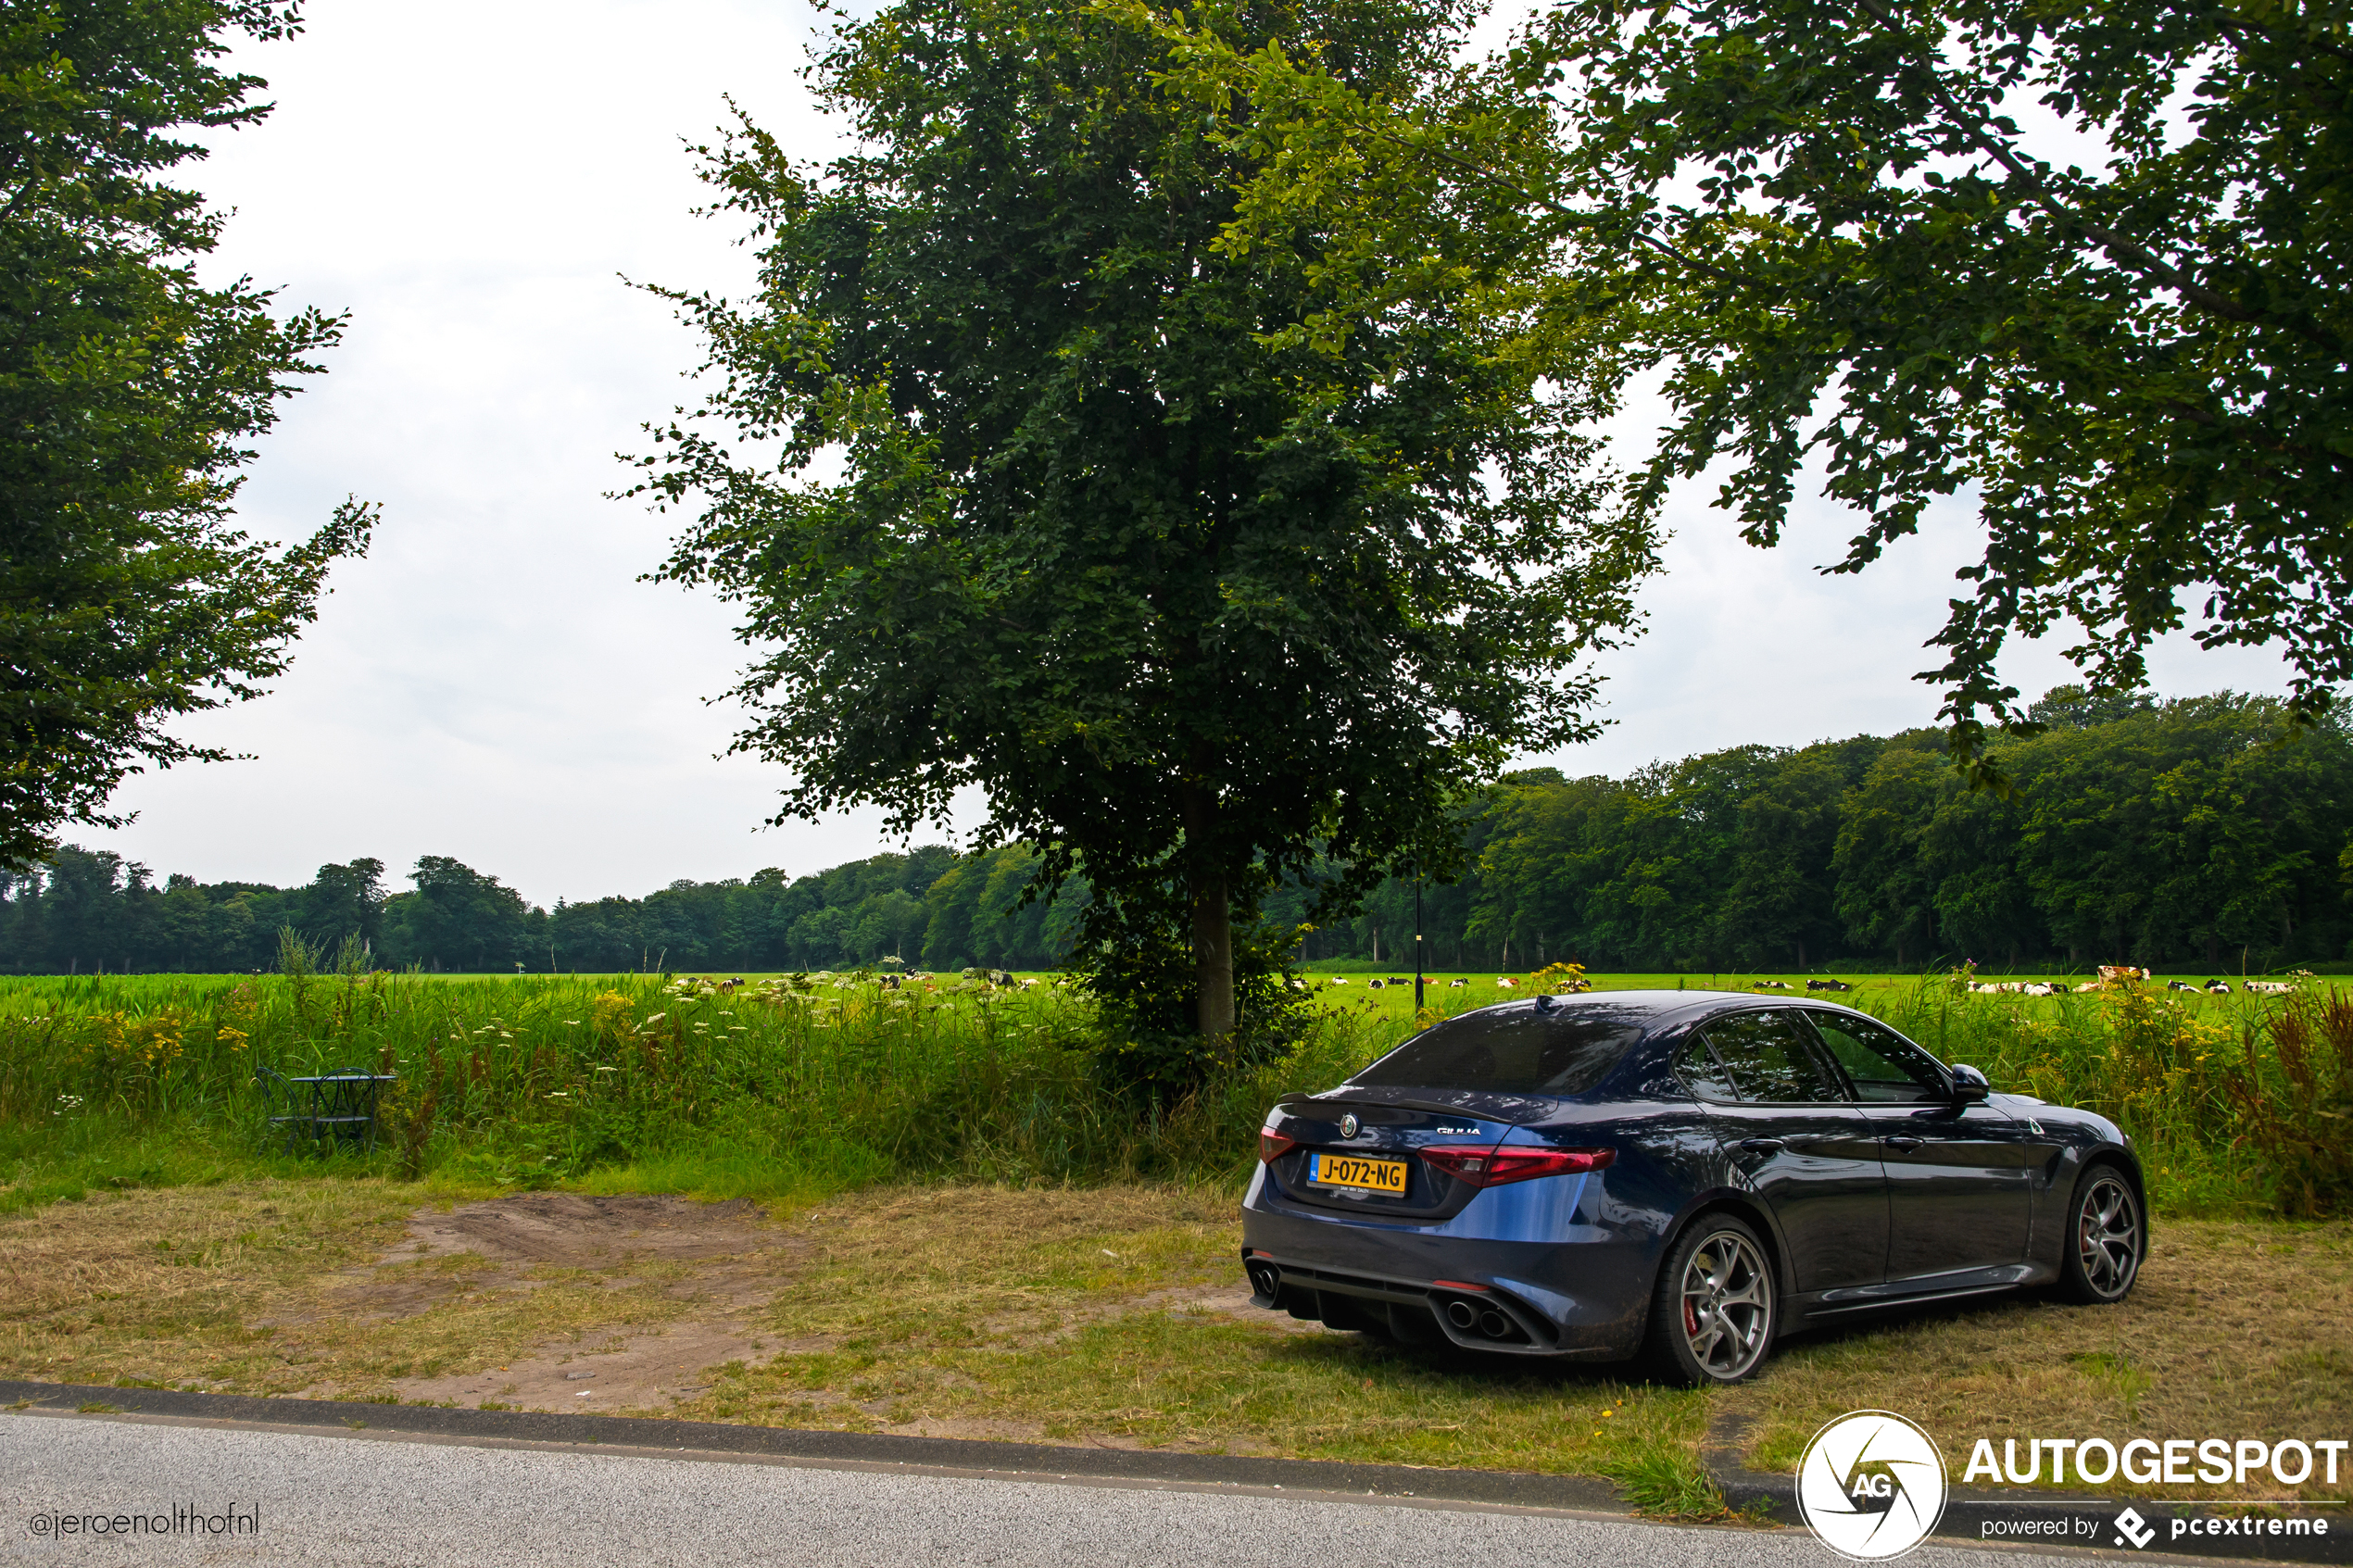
x,y
1905,1145
1760,1145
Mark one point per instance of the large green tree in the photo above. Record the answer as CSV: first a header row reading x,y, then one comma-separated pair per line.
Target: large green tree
x,y
1857,236
129,390
1203,567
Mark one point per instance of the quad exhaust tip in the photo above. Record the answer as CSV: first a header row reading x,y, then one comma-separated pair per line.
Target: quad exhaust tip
x,y
1480,1317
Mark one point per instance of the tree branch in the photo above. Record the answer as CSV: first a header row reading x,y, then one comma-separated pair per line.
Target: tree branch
x,y
2124,251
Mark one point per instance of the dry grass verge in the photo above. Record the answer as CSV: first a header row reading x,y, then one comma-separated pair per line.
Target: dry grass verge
x,y
2236,1330
337,1289
1116,1317
1110,1316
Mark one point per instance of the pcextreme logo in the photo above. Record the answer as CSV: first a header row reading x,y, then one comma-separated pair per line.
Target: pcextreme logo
x,y
1872,1485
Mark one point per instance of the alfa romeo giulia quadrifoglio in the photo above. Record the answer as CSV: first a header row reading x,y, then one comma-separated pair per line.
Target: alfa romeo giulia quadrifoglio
x,y
1677,1174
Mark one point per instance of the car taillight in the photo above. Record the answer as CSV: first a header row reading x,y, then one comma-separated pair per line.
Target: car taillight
x,y
1273,1145
1481,1166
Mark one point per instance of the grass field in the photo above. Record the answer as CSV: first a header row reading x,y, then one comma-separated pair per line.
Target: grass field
x,y
801,1086
1111,1315
955,1227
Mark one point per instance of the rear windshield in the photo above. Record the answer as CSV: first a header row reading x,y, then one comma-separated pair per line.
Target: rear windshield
x,y
1516,1052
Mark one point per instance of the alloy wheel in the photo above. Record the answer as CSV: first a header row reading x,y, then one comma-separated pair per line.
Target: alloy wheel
x,y
1728,1305
2107,1231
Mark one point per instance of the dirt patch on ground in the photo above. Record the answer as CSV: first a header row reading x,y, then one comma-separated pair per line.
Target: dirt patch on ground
x,y
726,1267
719,1262
575,1231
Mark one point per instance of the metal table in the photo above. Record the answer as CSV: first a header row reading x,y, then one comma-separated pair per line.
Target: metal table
x,y
337,1106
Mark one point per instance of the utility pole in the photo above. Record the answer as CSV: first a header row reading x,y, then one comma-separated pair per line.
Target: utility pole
x,y
1417,939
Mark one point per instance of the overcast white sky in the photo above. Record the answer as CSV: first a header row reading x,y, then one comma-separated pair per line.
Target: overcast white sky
x,y
492,683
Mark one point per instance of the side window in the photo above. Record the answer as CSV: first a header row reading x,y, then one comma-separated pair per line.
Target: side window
x,y
1887,1069
1765,1055
1702,1073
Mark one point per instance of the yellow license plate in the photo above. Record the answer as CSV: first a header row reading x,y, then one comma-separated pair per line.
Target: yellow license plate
x,y
1356,1170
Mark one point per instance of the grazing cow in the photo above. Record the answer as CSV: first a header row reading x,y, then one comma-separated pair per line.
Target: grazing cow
x,y
2121,974
2038,988
1506,982
1828,986
1768,985
1399,980
2217,987
1375,984
2271,987
2089,986
1335,980
2179,986
1452,984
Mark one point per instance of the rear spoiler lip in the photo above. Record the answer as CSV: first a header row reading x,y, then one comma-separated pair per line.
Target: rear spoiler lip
x,y
1435,1108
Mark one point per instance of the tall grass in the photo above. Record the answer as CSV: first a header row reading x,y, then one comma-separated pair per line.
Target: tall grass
x,y
2236,1104
816,1083
809,1084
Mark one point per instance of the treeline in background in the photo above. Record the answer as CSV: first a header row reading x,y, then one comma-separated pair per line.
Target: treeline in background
x,y
88,912
2185,834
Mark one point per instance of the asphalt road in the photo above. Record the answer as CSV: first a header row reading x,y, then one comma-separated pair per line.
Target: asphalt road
x,y
367,1499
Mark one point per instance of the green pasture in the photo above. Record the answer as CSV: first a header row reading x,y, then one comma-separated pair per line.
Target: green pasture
x,y
803,1085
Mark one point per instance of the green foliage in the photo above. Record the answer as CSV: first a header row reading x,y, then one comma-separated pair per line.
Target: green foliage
x,y
2202,1086
87,912
2296,1101
1668,1482
1826,225
128,390
801,1086
814,1084
1121,538
2162,832
1150,1045
457,919
2168,833
2139,368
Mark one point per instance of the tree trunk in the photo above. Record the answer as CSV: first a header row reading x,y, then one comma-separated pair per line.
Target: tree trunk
x,y
1213,957
1212,918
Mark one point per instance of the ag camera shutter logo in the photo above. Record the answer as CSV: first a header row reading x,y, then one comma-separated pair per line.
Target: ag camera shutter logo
x,y
1872,1485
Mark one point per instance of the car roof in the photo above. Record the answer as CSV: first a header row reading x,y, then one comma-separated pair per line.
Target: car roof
x,y
1661,1007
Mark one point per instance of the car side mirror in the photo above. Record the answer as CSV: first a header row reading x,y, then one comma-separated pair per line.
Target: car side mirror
x,y
1969,1084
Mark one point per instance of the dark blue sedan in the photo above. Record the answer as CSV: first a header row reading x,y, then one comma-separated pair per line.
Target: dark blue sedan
x,y
1676,1175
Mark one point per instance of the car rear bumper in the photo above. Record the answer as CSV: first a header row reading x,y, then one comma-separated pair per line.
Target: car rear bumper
x,y
1562,1287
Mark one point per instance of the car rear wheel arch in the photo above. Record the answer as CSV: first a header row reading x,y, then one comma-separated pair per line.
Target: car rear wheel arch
x,y
1751,1214
1664,1352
